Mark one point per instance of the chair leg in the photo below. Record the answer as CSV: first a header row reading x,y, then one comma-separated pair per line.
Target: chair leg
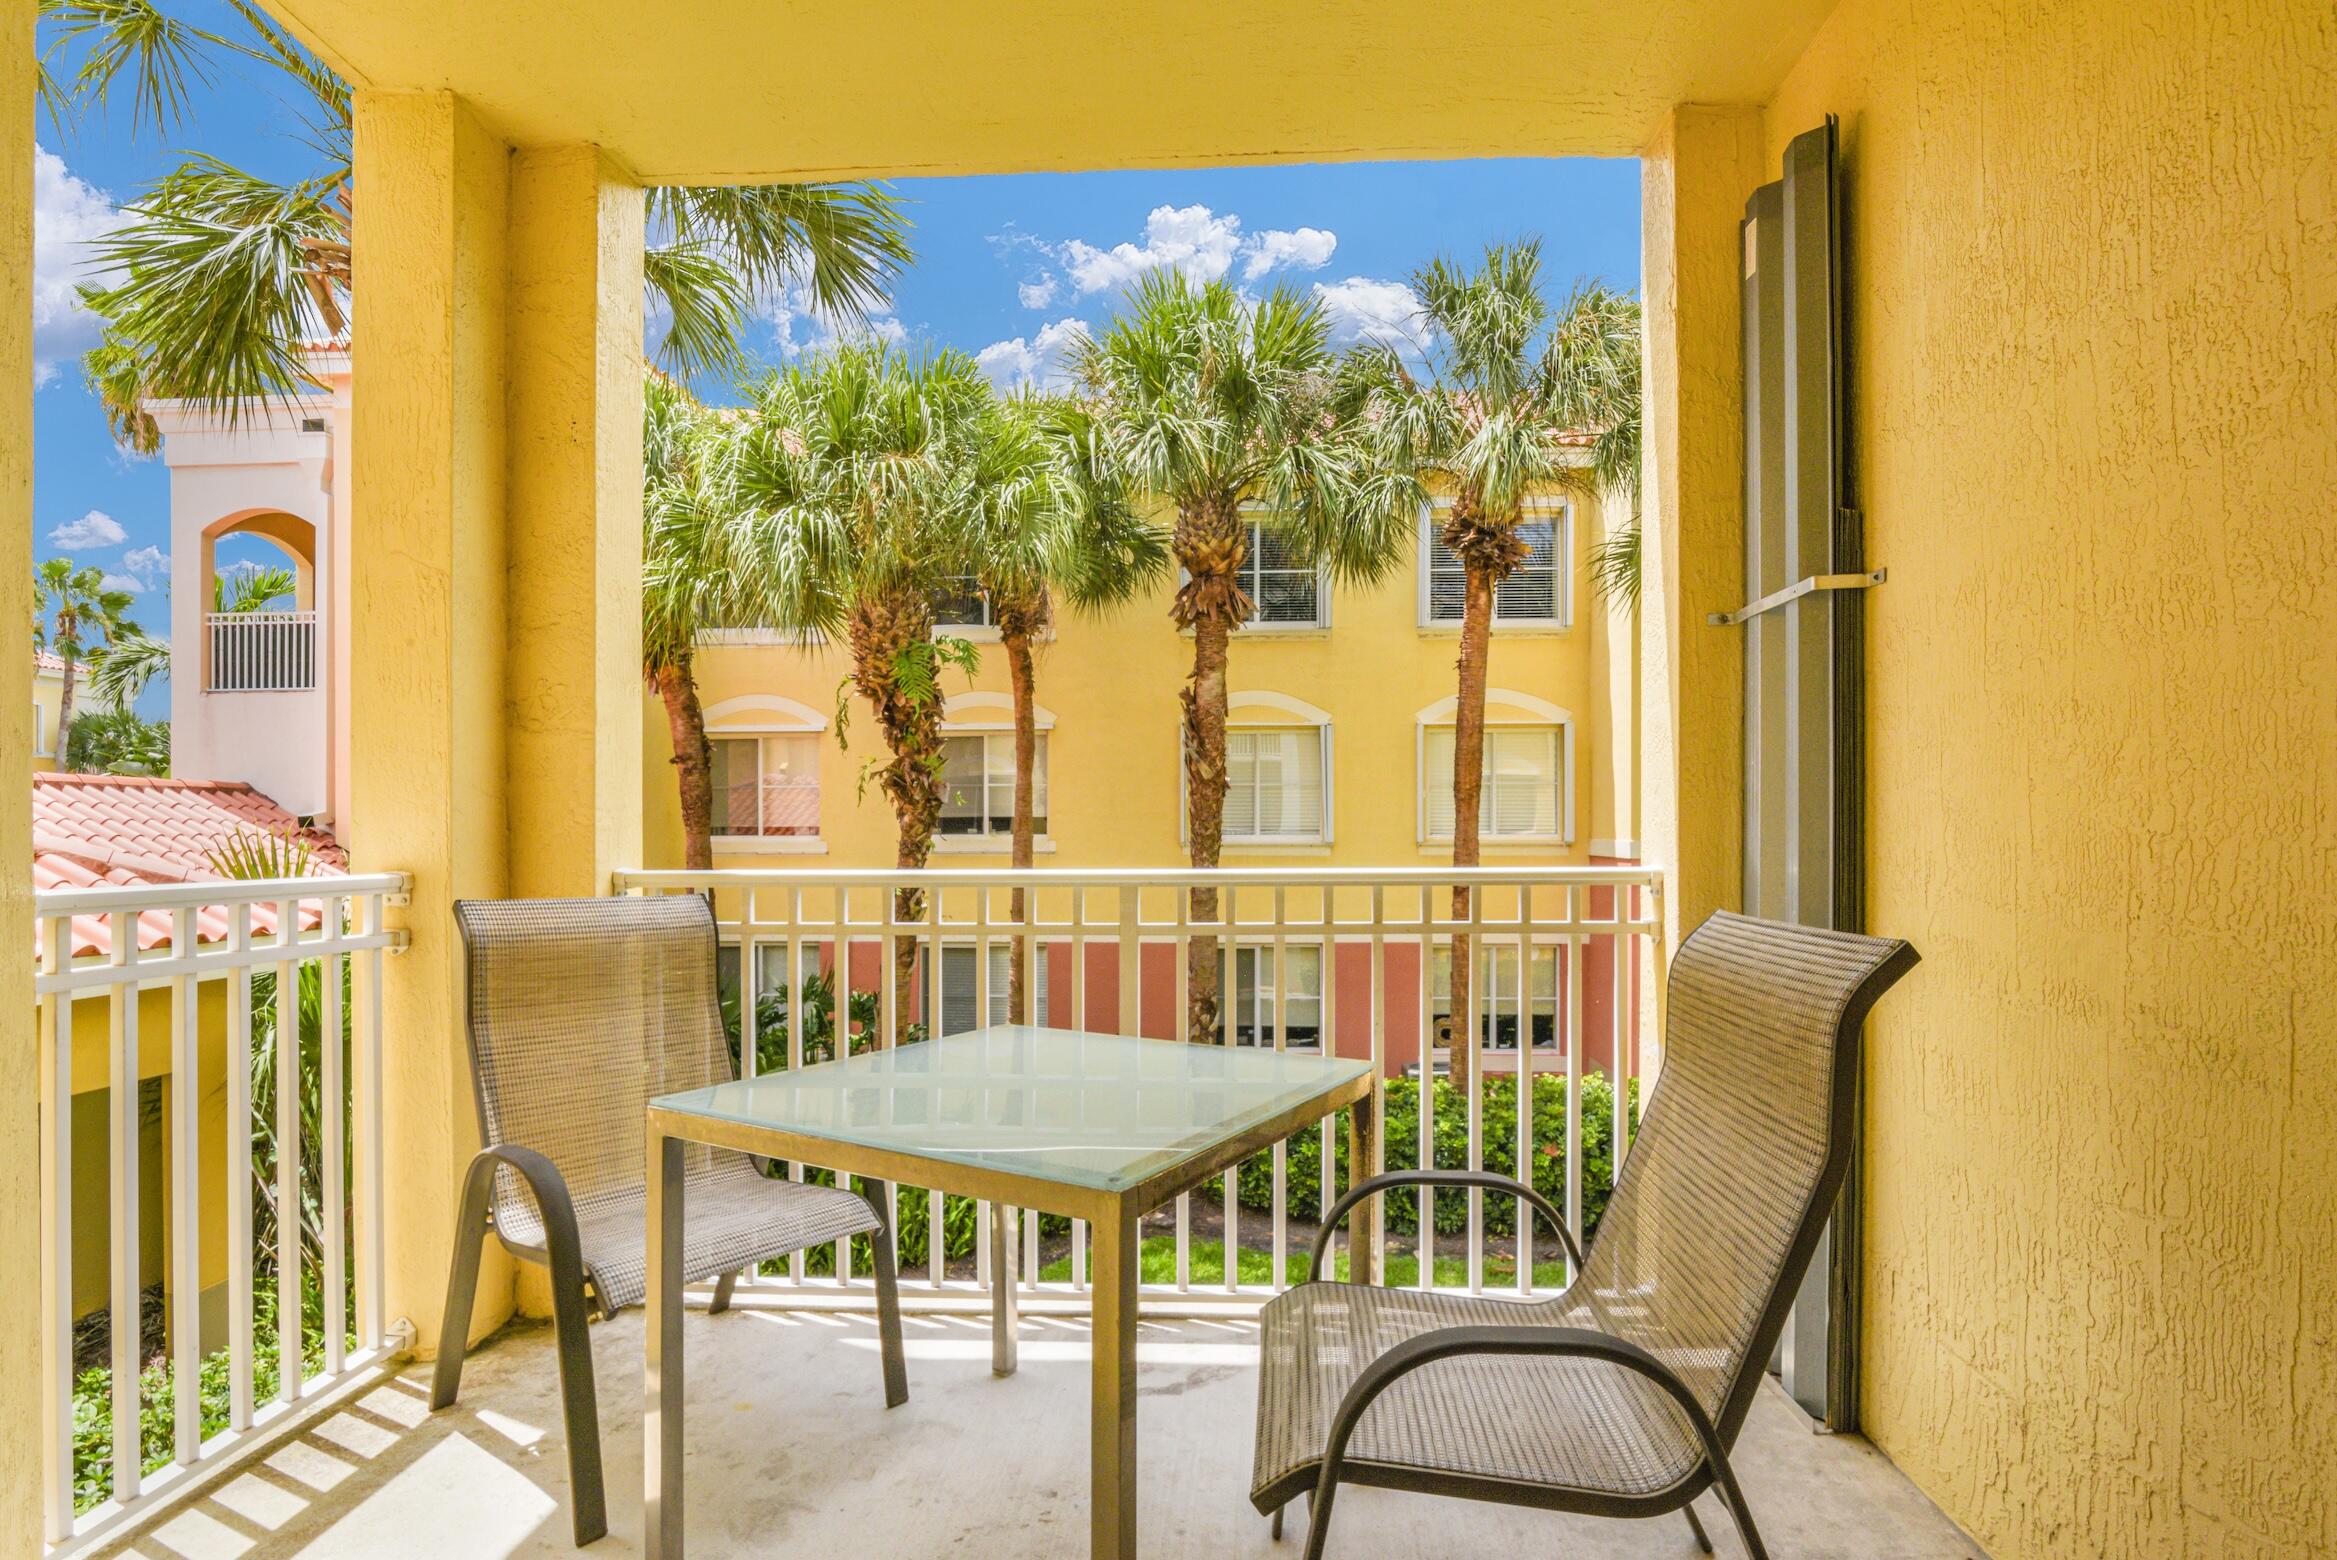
x,y
570,1321
462,1283
1276,1530
1738,1511
722,1289
1702,1542
1318,1517
888,1298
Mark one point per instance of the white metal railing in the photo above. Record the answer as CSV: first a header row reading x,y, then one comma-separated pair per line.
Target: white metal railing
x,y
261,652
199,934
1122,937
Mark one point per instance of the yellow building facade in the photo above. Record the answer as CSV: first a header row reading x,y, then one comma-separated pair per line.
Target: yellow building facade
x,y
1340,720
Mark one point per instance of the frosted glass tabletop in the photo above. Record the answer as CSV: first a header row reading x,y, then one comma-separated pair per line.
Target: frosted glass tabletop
x,y
1099,1111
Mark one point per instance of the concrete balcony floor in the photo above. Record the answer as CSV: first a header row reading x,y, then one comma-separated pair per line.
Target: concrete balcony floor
x,y
793,1453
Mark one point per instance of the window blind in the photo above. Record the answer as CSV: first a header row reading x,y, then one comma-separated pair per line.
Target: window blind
x,y
1274,783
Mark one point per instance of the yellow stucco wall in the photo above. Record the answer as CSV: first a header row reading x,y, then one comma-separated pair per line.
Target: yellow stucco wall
x,y
20,1192
1112,686
2093,252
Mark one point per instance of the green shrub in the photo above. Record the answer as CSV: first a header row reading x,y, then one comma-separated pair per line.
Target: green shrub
x,y
1303,1168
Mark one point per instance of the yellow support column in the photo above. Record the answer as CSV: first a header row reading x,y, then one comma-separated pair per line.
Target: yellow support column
x,y
20,1185
575,522
427,685
1695,175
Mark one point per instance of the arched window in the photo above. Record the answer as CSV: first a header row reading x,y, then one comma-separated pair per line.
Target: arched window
x,y
1527,792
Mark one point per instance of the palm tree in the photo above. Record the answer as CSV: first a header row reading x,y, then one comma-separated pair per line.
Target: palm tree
x,y
222,274
698,571
1506,381
1225,409
844,472
1051,523
74,609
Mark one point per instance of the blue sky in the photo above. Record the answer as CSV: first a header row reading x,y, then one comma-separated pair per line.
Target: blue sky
x,y
1007,267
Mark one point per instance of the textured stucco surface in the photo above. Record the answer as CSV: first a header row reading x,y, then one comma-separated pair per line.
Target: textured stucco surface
x,y
575,521
744,94
20,1193
2094,318
1694,176
427,628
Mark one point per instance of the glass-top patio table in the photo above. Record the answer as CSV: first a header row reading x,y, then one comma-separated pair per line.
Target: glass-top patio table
x,y
1096,1127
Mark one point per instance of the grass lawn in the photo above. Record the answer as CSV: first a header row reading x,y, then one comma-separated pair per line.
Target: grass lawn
x,y
1159,1260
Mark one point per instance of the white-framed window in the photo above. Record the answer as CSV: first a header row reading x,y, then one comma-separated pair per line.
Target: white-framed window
x,y
961,995
961,603
1539,592
1253,988
977,780
40,731
766,784
1285,591
1278,784
1514,995
1524,794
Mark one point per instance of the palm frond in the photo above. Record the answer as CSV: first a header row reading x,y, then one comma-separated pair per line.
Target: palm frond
x,y
253,854
1614,565
155,57
121,671
845,243
215,294
705,302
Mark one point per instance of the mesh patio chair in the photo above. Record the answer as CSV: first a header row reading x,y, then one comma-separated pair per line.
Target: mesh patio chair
x,y
581,1011
1621,1396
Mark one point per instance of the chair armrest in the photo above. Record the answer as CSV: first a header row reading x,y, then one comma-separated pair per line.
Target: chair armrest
x,y
1449,1342
1490,1180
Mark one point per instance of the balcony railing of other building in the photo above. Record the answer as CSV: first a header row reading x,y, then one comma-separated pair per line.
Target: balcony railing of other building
x,y
261,652
1568,961
132,971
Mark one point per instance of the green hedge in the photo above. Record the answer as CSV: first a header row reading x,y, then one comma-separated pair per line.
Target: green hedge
x,y
1303,1170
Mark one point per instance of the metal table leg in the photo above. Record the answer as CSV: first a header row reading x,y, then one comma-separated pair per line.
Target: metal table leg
x,y
661,1399
1112,1425
1005,1273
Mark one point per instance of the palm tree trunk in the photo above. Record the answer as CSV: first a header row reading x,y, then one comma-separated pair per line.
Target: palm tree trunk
x,y
1210,543
881,628
1020,675
65,651
1205,816
1468,791
685,719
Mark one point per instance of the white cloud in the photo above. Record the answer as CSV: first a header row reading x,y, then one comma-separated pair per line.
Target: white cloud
x,y
1038,294
1363,308
123,582
1307,248
1193,239
1040,361
149,566
94,529
67,214
800,326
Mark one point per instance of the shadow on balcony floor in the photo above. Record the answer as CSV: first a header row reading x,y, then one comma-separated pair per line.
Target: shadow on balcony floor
x,y
792,1453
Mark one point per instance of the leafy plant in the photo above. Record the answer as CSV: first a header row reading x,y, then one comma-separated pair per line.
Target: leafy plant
x,y
118,742
1303,1162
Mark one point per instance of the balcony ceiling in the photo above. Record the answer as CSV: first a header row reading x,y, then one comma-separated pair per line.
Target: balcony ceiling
x,y
714,90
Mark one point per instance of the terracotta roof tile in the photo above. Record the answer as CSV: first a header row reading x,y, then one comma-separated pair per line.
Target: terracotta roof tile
x,y
92,830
